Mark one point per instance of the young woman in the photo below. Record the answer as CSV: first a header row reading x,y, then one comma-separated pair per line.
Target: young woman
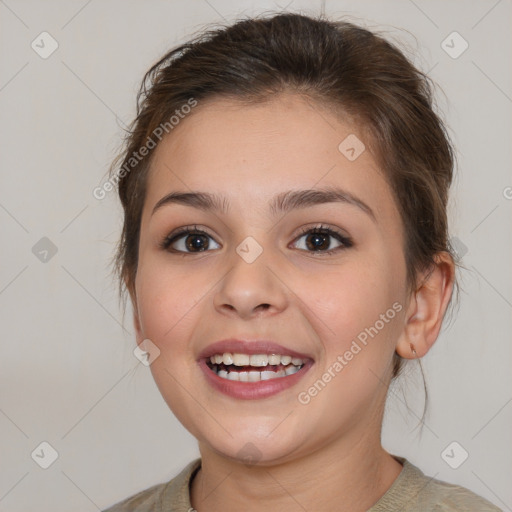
x,y
285,248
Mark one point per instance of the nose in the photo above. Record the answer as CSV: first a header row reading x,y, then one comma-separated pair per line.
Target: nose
x,y
251,289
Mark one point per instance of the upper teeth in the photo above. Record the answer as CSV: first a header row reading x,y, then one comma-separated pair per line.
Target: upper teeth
x,y
255,359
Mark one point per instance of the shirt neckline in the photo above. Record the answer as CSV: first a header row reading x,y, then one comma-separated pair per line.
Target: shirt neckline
x,y
176,495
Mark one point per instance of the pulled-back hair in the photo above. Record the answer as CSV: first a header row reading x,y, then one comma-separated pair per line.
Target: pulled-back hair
x,y
353,71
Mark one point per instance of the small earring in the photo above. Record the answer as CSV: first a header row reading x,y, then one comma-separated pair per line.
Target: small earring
x,y
412,349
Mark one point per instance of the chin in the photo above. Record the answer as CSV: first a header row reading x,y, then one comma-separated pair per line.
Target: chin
x,y
253,446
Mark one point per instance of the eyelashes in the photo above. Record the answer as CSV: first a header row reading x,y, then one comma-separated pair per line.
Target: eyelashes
x,y
325,232
181,233
196,239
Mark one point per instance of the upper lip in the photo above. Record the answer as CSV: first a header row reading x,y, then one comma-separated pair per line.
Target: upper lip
x,y
250,347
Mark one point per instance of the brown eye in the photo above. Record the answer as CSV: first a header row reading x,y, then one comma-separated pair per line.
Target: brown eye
x,y
188,241
320,239
196,242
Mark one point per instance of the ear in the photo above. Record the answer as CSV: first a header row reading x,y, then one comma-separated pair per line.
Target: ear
x,y
427,308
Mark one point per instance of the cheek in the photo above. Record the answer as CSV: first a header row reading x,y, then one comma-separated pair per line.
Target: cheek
x,y
167,299
168,315
356,312
350,299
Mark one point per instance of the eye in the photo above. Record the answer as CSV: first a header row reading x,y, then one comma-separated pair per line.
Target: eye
x,y
319,239
193,240
187,240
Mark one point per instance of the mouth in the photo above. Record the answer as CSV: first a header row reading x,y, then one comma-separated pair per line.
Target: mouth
x,y
255,367
252,370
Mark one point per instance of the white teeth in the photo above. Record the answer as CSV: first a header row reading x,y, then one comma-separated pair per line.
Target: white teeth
x,y
274,359
254,376
259,360
291,365
241,359
290,370
286,360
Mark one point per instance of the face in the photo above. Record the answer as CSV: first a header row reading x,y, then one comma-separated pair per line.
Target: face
x,y
320,279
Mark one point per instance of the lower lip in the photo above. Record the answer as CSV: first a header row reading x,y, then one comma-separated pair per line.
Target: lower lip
x,y
252,390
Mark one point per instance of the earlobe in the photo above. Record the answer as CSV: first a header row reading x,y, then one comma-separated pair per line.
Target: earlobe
x,y
427,309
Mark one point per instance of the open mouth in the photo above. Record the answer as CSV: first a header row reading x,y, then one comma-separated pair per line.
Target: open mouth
x,y
254,367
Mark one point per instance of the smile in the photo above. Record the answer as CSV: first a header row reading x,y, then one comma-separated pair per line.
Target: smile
x,y
246,368
253,376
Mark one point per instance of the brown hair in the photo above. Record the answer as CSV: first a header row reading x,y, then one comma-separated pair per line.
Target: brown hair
x,y
335,63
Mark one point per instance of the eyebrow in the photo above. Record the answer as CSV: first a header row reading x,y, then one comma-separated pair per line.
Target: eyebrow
x,y
282,203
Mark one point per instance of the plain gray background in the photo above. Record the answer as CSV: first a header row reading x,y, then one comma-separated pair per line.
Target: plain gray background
x,y
68,375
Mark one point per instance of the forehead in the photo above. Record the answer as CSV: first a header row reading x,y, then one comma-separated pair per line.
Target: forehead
x,y
254,151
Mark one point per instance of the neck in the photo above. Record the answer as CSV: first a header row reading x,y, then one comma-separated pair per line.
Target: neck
x,y
349,474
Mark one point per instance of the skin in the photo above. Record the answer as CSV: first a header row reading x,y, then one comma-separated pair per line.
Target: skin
x,y
326,455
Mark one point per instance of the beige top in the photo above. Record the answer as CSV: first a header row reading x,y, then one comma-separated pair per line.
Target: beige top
x,y
412,491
